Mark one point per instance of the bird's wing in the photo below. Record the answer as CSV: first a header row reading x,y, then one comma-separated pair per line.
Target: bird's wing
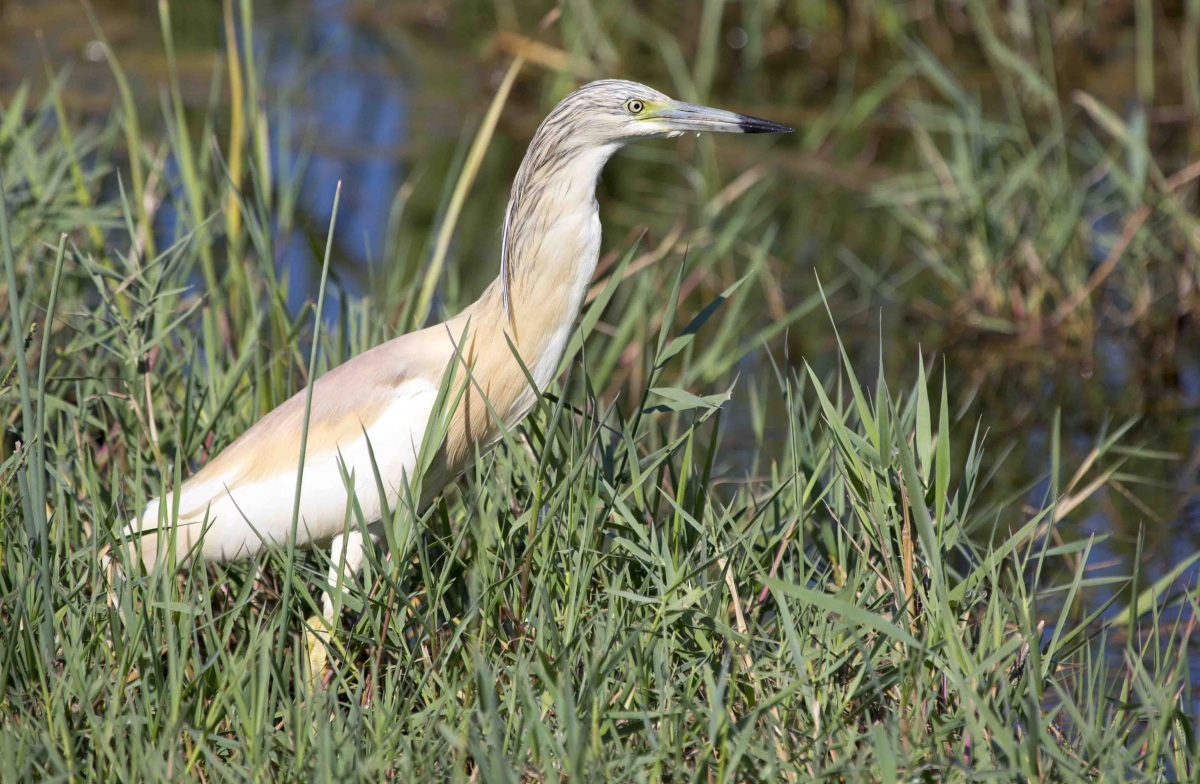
x,y
377,404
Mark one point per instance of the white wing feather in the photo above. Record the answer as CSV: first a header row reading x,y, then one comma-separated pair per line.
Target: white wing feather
x,y
237,521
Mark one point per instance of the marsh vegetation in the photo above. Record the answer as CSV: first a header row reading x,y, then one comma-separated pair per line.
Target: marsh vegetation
x,y
878,459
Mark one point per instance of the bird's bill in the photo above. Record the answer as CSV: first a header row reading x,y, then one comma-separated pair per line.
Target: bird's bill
x,y
683,117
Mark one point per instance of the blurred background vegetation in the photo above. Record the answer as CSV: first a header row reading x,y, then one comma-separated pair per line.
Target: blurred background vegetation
x,y
1004,194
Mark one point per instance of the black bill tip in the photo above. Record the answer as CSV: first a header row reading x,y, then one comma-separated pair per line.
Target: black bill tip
x,y
750,124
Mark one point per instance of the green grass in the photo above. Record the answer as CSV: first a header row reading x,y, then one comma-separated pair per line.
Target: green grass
x,y
700,558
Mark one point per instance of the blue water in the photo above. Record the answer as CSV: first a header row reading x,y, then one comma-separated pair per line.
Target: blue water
x,y
358,118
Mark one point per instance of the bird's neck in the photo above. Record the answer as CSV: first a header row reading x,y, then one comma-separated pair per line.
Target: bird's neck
x,y
551,246
552,243
551,224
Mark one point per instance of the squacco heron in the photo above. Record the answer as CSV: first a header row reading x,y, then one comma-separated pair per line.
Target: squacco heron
x,y
380,402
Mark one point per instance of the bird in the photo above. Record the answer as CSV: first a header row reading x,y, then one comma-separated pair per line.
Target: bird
x,y
371,413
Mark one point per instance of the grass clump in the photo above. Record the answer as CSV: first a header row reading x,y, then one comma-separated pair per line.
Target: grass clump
x,y
695,560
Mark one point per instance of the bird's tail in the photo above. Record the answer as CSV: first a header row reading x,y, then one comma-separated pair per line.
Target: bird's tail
x,y
155,534
139,537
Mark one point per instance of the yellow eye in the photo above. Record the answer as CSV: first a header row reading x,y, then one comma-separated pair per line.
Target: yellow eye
x,y
634,106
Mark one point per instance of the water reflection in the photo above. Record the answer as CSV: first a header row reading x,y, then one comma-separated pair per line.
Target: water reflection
x,y
357,117
337,105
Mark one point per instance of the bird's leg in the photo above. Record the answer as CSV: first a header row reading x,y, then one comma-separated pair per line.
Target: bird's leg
x,y
352,546
346,552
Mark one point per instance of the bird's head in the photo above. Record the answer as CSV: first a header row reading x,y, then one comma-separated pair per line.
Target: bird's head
x,y
559,173
613,111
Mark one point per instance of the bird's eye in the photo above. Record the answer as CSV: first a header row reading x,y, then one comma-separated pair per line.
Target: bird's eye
x,y
634,106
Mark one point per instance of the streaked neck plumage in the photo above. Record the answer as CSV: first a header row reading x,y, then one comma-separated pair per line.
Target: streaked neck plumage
x,y
552,244
551,225
550,249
